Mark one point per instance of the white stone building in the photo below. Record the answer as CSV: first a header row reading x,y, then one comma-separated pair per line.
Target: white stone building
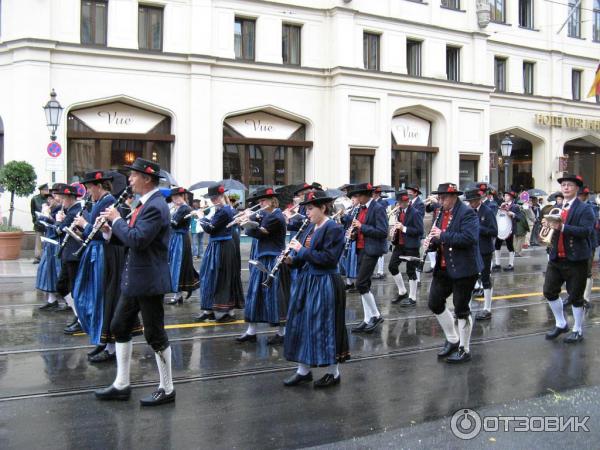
x,y
275,92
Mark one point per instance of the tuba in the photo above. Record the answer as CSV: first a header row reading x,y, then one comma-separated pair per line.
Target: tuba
x,y
546,232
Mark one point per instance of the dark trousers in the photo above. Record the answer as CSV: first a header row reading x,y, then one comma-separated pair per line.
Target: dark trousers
x,y
395,261
574,274
509,243
442,286
66,278
366,265
486,280
153,317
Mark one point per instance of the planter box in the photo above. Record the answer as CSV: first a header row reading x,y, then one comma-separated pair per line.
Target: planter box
x,y
10,244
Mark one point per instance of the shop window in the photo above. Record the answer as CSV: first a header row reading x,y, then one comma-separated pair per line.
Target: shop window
x,y
150,28
467,171
413,57
361,166
453,63
291,44
411,167
371,51
94,22
244,38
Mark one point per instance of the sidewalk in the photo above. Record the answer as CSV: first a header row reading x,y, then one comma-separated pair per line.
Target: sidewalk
x,y
19,268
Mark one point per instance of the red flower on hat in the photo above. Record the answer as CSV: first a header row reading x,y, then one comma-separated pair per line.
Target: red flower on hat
x,y
482,187
181,189
369,186
586,190
405,198
220,189
67,191
98,175
310,195
579,177
149,169
269,191
451,188
480,192
306,185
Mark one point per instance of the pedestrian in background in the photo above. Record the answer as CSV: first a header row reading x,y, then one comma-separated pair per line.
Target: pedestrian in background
x,y
36,206
196,230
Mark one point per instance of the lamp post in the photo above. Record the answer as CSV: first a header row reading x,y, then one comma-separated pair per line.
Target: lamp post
x,y
506,149
53,112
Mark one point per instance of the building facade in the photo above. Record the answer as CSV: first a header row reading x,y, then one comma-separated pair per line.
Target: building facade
x,y
276,92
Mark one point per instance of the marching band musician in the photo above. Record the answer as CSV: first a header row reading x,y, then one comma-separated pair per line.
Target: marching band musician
x,y
415,200
584,196
509,207
455,236
349,259
380,198
431,206
490,200
316,332
488,230
569,256
294,220
184,277
371,225
49,267
220,276
267,304
146,279
406,239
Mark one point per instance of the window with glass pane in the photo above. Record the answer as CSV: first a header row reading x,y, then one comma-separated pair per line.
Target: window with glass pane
x,y
528,86
361,168
596,24
574,27
452,4
500,74
244,36
576,84
413,58
413,168
497,11
93,22
150,27
453,63
526,13
467,172
291,44
371,51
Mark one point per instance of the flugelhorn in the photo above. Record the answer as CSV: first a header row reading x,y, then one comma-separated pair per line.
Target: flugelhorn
x,y
546,232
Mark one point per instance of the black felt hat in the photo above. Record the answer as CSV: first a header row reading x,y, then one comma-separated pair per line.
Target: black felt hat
x,y
362,188
447,188
402,196
263,193
474,194
144,166
577,179
413,187
96,176
306,186
215,190
316,197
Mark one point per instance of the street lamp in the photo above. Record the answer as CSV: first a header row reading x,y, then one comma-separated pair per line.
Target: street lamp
x,y
53,112
506,149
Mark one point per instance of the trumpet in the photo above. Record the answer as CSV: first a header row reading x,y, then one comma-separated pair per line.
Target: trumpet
x,y
427,241
341,210
546,232
193,213
242,218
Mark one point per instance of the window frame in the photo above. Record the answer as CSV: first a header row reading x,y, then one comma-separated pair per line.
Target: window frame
x,y
93,22
457,51
574,23
596,21
367,36
148,27
454,7
530,14
290,26
419,45
493,11
504,61
526,65
579,73
244,21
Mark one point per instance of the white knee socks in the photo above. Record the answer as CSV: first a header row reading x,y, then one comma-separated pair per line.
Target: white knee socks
x,y
334,370
588,289
557,310
380,266
51,297
497,257
400,283
303,369
110,348
446,321
281,331
163,361
123,364
511,258
369,306
465,326
487,299
412,289
431,256
578,316
251,329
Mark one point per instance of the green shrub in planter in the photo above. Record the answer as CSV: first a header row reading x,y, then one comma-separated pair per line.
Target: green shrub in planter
x,y
17,177
9,229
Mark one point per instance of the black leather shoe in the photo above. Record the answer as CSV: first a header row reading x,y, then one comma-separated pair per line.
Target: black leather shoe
x,y
483,315
275,340
360,328
478,292
326,381
175,301
35,261
509,268
448,349
408,302
496,268
379,276
73,321
573,338
204,317
556,332
352,290
226,319
103,357
246,338
400,297
73,329
49,306
430,270
350,286
97,350
373,323
63,308
158,397
112,393
296,379
459,357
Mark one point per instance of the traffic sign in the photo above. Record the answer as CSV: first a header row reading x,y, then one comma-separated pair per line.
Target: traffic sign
x,y
54,149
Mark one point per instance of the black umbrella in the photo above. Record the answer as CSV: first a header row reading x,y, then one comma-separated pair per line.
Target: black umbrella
x,y
536,192
229,185
334,193
285,194
119,182
552,197
168,177
476,184
386,188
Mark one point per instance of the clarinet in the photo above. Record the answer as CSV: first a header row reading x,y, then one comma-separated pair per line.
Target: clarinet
x,y
70,231
101,221
284,254
427,241
350,230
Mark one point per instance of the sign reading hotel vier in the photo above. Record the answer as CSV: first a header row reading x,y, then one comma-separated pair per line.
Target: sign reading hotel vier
x,y
549,120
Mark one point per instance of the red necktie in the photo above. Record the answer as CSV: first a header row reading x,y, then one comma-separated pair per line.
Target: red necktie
x,y
136,211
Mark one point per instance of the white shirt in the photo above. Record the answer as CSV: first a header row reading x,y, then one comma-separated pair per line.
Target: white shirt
x,y
143,199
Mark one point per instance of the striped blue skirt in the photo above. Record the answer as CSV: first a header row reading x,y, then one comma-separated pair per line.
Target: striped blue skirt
x,y
88,292
267,305
349,262
48,269
183,274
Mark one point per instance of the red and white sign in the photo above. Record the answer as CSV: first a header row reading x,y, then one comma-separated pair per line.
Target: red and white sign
x,y
54,149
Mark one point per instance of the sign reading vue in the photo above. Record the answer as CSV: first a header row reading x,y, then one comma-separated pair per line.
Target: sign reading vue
x,y
263,126
411,130
118,118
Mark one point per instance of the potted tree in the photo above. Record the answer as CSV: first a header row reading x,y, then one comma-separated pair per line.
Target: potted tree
x,y
18,178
